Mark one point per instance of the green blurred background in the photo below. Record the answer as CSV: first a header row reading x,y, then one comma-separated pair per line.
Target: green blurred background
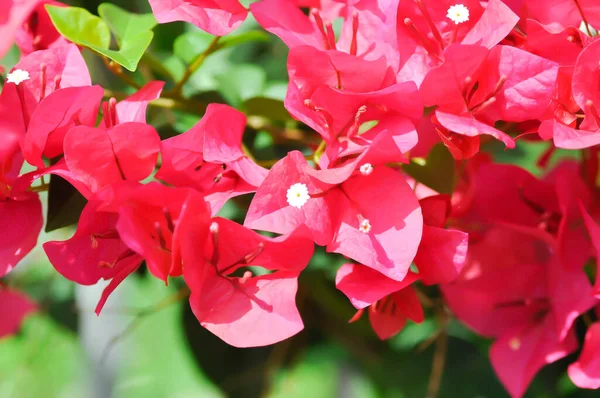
x,y
141,347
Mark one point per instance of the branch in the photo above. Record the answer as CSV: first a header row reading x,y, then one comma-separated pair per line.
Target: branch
x,y
193,67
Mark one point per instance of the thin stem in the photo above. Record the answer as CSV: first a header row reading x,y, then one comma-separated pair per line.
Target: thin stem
x,y
156,65
118,72
248,153
193,67
587,25
439,357
183,293
320,149
39,188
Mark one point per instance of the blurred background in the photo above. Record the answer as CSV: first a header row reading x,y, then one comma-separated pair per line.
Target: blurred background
x,y
147,342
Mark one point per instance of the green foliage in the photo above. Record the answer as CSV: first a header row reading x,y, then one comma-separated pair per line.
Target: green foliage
x,y
132,32
43,360
437,172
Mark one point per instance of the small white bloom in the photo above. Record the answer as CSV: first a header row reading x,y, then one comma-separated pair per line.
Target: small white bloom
x,y
17,76
366,169
458,13
365,226
297,195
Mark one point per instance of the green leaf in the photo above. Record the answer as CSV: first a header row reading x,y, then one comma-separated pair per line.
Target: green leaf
x,y
131,51
125,25
242,83
131,31
79,26
437,172
43,360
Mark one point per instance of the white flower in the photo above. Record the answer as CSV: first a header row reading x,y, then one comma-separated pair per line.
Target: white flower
x,y
458,13
366,169
17,76
297,195
365,226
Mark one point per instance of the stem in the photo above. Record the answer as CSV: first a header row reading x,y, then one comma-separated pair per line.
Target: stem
x,y
193,67
118,71
194,107
587,25
40,188
319,151
183,293
248,153
156,65
439,357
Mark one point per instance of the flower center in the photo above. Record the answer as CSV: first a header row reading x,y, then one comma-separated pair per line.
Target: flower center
x,y
17,76
458,13
297,195
366,169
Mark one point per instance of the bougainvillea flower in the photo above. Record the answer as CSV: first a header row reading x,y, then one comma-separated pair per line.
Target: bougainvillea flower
x,y
12,16
14,306
367,32
133,108
532,315
336,114
354,211
50,70
562,47
586,76
98,157
148,218
593,230
585,372
38,32
556,15
217,17
54,116
547,208
246,311
474,87
20,211
209,158
94,252
391,303
22,222
442,252
426,30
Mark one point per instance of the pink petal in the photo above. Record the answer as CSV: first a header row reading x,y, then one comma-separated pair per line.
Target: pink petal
x,y
217,17
442,254
14,307
387,201
133,108
22,221
53,118
364,286
495,24
585,372
284,19
518,356
471,127
100,157
257,312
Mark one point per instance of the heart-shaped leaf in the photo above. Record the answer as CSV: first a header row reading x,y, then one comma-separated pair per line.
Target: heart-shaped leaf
x,y
131,31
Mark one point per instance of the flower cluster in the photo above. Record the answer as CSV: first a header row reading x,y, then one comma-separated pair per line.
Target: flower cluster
x,y
512,253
